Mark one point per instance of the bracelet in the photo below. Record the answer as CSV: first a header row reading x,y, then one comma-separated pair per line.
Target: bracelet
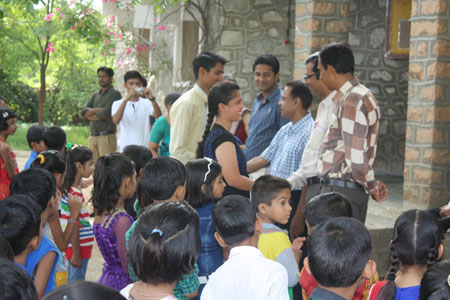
x,y
72,221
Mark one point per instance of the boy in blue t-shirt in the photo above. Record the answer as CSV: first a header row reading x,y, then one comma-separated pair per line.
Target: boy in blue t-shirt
x,y
36,143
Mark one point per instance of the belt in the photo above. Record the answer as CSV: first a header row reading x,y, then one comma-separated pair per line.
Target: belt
x,y
102,133
341,183
312,180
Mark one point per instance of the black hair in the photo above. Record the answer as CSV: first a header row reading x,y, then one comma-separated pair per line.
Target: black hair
x,y
132,75
144,82
20,221
171,98
34,134
435,282
76,154
267,59
221,92
325,206
109,173
165,243
196,172
338,55
140,155
50,160
266,188
81,289
207,60
54,138
107,70
415,241
314,59
160,179
6,114
234,219
338,246
301,91
38,184
6,250
15,283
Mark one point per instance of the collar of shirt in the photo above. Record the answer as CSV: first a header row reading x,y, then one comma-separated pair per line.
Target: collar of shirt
x,y
300,123
323,294
345,88
196,86
100,91
328,101
235,251
275,92
270,227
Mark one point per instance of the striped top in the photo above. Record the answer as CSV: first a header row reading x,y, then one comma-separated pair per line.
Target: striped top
x,y
86,234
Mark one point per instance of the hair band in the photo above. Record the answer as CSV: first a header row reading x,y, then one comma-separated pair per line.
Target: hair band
x,y
68,145
209,168
41,159
158,231
5,114
448,280
390,277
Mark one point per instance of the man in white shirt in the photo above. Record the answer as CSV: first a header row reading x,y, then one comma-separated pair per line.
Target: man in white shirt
x,y
247,274
307,174
133,112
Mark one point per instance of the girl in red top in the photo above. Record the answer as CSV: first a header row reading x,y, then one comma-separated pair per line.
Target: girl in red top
x,y
8,164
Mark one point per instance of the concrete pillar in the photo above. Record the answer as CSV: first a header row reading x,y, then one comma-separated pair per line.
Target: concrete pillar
x,y
427,151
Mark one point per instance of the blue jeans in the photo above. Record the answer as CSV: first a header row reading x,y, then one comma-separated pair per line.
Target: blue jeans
x,y
78,273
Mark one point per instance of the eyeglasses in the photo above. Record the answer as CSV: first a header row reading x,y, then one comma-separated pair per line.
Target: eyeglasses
x,y
307,77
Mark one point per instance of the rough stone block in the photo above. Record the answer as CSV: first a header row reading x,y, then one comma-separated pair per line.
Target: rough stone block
x,y
439,70
413,8
431,92
433,7
408,134
381,74
263,2
416,71
435,197
344,10
273,32
430,28
298,74
232,38
406,174
422,49
427,175
337,26
271,17
310,25
376,39
300,10
411,192
442,48
236,5
252,24
426,136
436,156
412,50
415,113
322,8
319,42
247,66
258,46
299,42
411,154
438,114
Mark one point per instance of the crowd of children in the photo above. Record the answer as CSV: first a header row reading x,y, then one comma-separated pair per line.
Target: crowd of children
x,y
165,231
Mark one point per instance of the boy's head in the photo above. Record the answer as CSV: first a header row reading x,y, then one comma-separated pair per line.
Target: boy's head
x,y
54,139
326,206
38,184
35,139
340,246
20,223
270,198
163,179
170,100
132,79
235,221
140,155
15,283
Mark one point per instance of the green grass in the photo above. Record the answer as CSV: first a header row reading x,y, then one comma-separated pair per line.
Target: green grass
x,y
75,135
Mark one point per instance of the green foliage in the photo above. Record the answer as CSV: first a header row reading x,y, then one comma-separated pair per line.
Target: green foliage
x,y
160,6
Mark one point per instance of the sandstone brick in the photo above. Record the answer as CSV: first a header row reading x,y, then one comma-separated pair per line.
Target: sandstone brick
x,y
406,174
408,134
415,113
299,42
302,57
427,175
413,8
310,24
436,156
337,26
433,7
438,114
411,192
430,28
410,92
319,42
300,10
422,49
439,70
431,92
322,8
416,71
442,48
344,10
412,49
435,197
411,154
298,74
425,136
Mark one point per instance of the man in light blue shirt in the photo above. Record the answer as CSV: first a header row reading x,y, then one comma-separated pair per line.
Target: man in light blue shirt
x,y
265,119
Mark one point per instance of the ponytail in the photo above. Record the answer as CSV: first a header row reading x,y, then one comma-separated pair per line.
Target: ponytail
x,y
201,144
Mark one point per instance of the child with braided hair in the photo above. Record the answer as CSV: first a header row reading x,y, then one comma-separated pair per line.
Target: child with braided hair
x,y
225,103
416,244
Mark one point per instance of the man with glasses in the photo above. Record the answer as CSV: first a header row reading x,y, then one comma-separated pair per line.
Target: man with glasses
x,y
98,110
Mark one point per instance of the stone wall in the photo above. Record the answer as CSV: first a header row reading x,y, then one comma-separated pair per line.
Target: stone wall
x,y
427,155
387,78
252,28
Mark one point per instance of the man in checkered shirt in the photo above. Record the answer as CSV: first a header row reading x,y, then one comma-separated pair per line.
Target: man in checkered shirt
x,y
348,151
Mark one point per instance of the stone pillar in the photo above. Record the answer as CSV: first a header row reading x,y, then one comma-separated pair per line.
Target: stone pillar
x,y
317,23
427,151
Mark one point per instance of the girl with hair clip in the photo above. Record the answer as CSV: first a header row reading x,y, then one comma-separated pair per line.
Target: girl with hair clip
x,y
416,245
435,284
8,163
204,186
114,181
80,290
225,103
163,247
79,165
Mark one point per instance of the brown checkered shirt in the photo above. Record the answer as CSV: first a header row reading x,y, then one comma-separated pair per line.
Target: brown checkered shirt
x,y
350,144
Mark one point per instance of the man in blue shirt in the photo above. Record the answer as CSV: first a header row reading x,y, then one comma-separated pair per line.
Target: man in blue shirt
x,y
265,119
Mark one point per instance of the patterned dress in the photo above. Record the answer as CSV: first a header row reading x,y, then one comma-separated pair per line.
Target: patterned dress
x,y
5,180
113,274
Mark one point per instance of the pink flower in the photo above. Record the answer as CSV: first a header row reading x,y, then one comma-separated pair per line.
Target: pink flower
x,y
162,27
50,44
128,51
112,49
138,47
72,28
122,63
113,1
110,22
57,9
88,11
155,20
53,49
104,53
152,46
48,17
106,41
83,13
44,37
61,16
120,36
47,50
108,33
144,48
114,33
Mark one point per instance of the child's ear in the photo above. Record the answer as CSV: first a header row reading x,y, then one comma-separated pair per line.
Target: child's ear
x,y
220,240
306,265
369,270
203,189
78,165
180,192
258,226
34,243
262,208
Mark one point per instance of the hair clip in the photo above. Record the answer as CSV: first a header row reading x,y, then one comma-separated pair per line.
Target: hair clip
x,y
448,280
68,145
209,168
158,231
41,159
5,114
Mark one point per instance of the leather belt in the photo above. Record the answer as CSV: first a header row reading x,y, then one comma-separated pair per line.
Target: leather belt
x,y
101,133
312,180
341,183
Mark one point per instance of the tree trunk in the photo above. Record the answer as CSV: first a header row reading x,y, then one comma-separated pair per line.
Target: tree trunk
x,y
42,95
